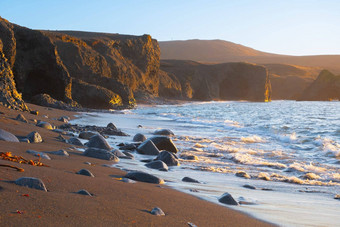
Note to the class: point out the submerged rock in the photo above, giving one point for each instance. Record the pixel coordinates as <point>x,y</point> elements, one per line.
<point>164,143</point>
<point>34,137</point>
<point>169,158</point>
<point>75,141</point>
<point>101,154</point>
<point>85,172</point>
<point>249,186</point>
<point>139,138</point>
<point>7,136</point>
<point>189,157</point>
<point>144,177</point>
<point>112,126</point>
<point>226,198</point>
<point>189,179</point>
<point>31,182</point>
<point>148,148</point>
<point>98,141</point>
<point>164,132</point>
<point>157,211</point>
<point>242,174</point>
<point>160,165</point>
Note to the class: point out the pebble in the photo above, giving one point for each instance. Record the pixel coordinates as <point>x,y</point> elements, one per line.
<point>249,186</point>
<point>31,182</point>
<point>45,125</point>
<point>189,179</point>
<point>85,172</point>
<point>157,211</point>
<point>148,148</point>
<point>98,141</point>
<point>75,141</point>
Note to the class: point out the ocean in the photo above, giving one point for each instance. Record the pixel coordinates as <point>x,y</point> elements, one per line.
<point>288,151</point>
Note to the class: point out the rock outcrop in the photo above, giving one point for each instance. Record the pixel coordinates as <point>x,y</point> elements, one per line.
<point>325,88</point>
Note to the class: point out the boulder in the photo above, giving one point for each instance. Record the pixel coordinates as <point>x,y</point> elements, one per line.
<point>39,154</point>
<point>45,125</point>
<point>7,136</point>
<point>189,179</point>
<point>34,137</point>
<point>87,135</point>
<point>139,138</point>
<point>148,148</point>
<point>60,152</point>
<point>144,177</point>
<point>98,141</point>
<point>31,182</point>
<point>63,119</point>
<point>22,118</point>
<point>164,132</point>
<point>75,141</point>
<point>168,158</point>
<point>129,146</point>
<point>84,192</point>
<point>158,164</point>
<point>85,172</point>
<point>157,211</point>
<point>100,154</point>
<point>111,126</point>
<point>226,198</point>
<point>164,143</point>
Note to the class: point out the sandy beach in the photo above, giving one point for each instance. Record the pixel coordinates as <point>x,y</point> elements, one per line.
<point>114,203</point>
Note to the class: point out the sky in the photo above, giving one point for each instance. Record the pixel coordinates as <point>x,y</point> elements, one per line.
<point>293,27</point>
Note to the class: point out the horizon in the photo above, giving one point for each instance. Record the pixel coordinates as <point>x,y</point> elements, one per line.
<point>296,28</point>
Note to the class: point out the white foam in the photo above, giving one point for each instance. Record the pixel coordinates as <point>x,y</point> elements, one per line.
<point>287,138</point>
<point>253,139</point>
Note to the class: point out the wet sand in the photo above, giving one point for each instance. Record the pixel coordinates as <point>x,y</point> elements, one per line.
<point>114,203</point>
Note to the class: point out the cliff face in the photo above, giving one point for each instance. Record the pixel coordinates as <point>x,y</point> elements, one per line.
<point>228,81</point>
<point>115,65</point>
<point>326,87</point>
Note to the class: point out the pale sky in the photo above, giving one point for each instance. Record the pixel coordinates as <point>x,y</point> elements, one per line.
<point>294,27</point>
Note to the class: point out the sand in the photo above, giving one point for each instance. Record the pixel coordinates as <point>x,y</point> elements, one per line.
<point>114,203</point>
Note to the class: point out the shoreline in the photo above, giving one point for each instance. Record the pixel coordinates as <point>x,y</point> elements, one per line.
<point>113,202</point>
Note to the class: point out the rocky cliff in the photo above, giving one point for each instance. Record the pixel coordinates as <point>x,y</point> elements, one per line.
<point>228,81</point>
<point>112,66</point>
<point>325,88</point>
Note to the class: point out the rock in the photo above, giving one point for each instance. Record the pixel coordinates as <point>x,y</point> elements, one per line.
<point>128,154</point>
<point>61,138</point>
<point>84,192</point>
<point>60,131</point>
<point>129,146</point>
<point>34,112</point>
<point>337,196</point>
<point>148,148</point>
<point>263,176</point>
<point>249,186</point>
<point>191,224</point>
<point>31,182</point>
<point>87,135</point>
<point>101,154</point>
<point>118,153</point>
<point>226,198</point>
<point>144,177</point>
<point>85,172</point>
<point>34,137</point>
<point>39,154</point>
<point>189,157</point>
<point>242,174</point>
<point>45,125</point>
<point>63,119</point>
<point>75,141</point>
<point>127,180</point>
<point>98,141</point>
<point>24,140</point>
<point>60,152</point>
<point>164,143</point>
<point>169,158</point>
<point>139,138</point>
<point>164,132</point>
<point>157,211</point>
<point>112,126</point>
<point>48,101</point>
<point>189,179</point>
<point>7,136</point>
<point>160,165</point>
<point>21,117</point>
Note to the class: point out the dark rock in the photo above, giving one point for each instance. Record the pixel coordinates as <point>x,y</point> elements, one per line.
<point>22,118</point>
<point>147,160</point>
<point>112,126</point>
<point>242,174</point>
<point>34,112</point>
<point>164,132</point>
<point>118,153</point>
<point>60,131</point>
<point>39,154</point>
<point>189,179</point>
<point>101,154</point>
<point>127,180</point>
<point>160,165</point>
<point>144,177</point>
<point>157,211</point>
<point>98,141</point>
<point>24,140</point>
<point>128,154</point>
<point>139,138</point>
<point>84,192</point>
<point>34,137</point>
<point>45,125</point>
<point>249,186</point>
<point>337,196</point>
<point>75,141</point>
<point>48,101</point>
<point>7,136</point>
<point>60,152</point>
<point>61,138</point>
<point>164,143</point>
<point>85,172</point>
<point>148,148</point>
<point>87,135</point>
<point>31,182</point>
<point>189,157</point>
<point>226,198</point>
<point>129,146</point>
<point>169,158</point>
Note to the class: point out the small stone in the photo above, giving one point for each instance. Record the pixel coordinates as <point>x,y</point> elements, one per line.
<point>88,163</point>
<point>158,164</point>
<point>226,198</point>
<point>84,192</point>
<point>21,117</point>
<point>164,132</point>
<point>39,154</point>
<point>60,152</point>
<point>45,125</point>
<point>157,211</point>
<point>242,174</point>
<point>249,186</point>
<point>7,136</point>
<point>85,172</point>
<point>189,179</point>
<point>139,138</point>
<point>34,112</point>
<point>144,177</point>
<point>31,182</point>
<point>34,137</point>
<point>75,141</point>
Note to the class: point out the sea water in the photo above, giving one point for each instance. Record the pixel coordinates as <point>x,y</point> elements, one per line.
<point>290,152</point>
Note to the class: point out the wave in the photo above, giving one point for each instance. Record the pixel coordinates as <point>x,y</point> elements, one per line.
<point>253,139</point>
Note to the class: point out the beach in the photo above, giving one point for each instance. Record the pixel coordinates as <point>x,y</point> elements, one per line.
<point>114,203</point>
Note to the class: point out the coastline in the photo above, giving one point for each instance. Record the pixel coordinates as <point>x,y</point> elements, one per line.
<point>114,202</point>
